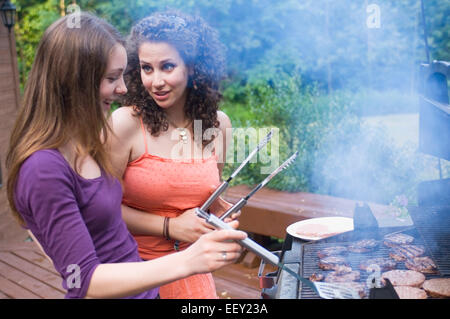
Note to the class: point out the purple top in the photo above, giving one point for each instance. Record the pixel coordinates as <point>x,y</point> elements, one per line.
<point>77,221</point>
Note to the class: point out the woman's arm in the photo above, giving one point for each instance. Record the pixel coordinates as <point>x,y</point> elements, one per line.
<point>205,255</point>
<point>142,223</point>
<point>125,128</point>
<point>187,227</point>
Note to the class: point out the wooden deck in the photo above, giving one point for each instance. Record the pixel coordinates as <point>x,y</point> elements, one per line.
<point>25,273</point>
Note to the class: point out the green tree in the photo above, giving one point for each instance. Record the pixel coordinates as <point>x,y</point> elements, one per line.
<point>34,17</point>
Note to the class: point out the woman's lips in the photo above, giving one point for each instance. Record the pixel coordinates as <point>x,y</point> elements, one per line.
<point>160,96</point>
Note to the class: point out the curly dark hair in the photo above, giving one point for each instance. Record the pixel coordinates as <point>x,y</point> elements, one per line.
<point>199,46</point>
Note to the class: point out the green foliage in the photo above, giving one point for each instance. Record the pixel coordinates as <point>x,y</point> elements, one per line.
<point>438,23</point>
<point>34,17</point>
<point>328,39</point>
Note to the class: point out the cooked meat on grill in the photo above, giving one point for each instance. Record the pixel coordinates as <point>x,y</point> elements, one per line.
<point>363,246</point>
<point>334,276</point>
<point>334,263</point>
<point>393,240</point>
<point>422,264</point>
<point>331,251</point>
<point>403,252</point>
<point>407,292</point>
<point>384,263</point>
<point>437,287</point>
<point>316,277</point>
<point>342,269</point>
<point>404,277</point>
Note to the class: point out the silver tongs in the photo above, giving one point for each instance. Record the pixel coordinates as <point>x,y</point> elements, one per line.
<point>222,187</point>
<point>243,201</point>
<point>220,224</point>
<point>247,242</point>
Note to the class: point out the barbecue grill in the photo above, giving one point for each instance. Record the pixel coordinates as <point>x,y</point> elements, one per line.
<point>431,219</point>
<point>431,229</point>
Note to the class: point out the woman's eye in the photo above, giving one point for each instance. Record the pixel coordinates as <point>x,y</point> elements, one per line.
<point>168,66</point>
<point>146,68</point>
<point>112,79</point>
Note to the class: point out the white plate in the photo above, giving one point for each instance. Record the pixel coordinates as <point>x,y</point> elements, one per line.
<point>319,228</point>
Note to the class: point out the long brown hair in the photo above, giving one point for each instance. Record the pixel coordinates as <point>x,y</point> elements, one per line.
<point>61,102</point>
<point>199,46</point>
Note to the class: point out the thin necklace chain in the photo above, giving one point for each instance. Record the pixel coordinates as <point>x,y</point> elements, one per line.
<point>173,124</point>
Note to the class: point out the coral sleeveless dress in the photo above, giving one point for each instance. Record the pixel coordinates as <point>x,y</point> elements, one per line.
<point>168,187</point>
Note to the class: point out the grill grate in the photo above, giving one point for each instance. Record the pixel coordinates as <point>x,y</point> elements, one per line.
<point>433,224</point>
<point>310,261</point>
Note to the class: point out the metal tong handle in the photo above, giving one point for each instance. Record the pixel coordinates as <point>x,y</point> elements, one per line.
<point>247,242</point>
<point>225,184</point>
<point>243,201</point>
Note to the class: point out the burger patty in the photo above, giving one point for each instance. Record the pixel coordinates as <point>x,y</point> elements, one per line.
<point>363,246</point>
<point>407,292</point>
<point>403,252</point>
<point>337,263</point>
<point>334,276</point>
<point>404,277</point>
<point>331,251</point>
<point>437,287</point>
<point>422,264</point>
<point>382,262</point>
<point>397,239</point>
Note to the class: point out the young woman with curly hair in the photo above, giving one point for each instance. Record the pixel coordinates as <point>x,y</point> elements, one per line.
<point>169,138</point>
<point>61,183</point>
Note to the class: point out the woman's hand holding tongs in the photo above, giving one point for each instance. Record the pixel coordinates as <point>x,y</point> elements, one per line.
<point>188,227</point>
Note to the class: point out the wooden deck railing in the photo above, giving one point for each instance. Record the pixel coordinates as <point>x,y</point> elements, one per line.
<point>269,211</point>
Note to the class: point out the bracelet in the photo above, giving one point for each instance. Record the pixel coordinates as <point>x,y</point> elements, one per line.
<point>166,228</point>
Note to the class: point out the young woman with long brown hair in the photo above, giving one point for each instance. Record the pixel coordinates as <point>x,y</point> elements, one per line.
<point>169,139</point>
<point>61,184</point>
